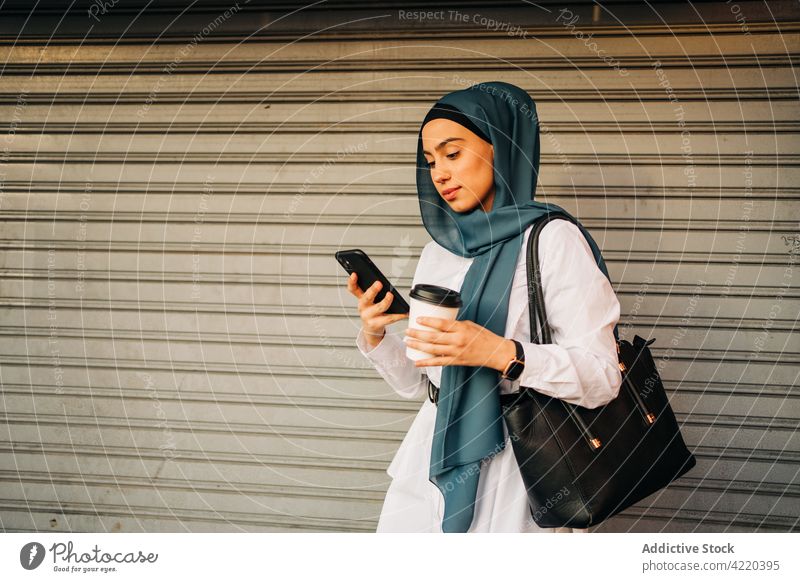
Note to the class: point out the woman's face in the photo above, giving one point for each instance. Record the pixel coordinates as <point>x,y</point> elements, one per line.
<point>459,159</point>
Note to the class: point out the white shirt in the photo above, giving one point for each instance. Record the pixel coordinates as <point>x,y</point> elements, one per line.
<point>580,367</point>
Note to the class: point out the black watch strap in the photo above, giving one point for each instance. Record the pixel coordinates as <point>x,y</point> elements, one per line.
<point>514,368</point>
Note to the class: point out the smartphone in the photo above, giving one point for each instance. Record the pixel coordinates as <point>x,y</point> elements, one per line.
<point>356,260</point>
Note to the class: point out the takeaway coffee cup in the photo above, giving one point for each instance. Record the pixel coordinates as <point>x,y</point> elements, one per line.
<point>430,301</point>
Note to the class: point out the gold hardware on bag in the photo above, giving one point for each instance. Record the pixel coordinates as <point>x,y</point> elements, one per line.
<point>622,366</point>
<point>651,418</point>
<point>595,442</point>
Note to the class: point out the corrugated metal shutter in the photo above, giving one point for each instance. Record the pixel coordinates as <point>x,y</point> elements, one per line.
<point>177,342</point>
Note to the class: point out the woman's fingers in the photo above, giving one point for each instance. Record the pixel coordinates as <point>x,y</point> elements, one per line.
<point>352,286</point>
<point>367,298</point>
<point>384,320</point>
<point>378,308</point>
<point>371,312</point>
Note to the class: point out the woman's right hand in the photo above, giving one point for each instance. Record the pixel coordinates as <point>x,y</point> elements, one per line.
<point>373,317</point>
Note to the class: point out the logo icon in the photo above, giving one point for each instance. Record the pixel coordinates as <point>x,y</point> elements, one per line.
<point>31,555</point>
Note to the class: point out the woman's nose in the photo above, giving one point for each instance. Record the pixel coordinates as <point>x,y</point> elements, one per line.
<point>440,176</point>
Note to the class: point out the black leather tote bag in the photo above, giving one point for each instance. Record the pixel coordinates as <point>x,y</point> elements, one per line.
<point>581,465</point>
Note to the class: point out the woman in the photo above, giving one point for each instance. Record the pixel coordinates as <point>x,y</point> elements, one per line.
<point>477,166</point>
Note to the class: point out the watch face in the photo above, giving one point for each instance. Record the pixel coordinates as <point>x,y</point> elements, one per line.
<point>514,370</point>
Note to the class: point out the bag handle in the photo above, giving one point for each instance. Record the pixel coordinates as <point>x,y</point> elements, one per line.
<point>540,331</point>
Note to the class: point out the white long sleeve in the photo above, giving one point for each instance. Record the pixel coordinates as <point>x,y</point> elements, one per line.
<point>389,359</point>
<point>581,365</point>
<point>389,356</point>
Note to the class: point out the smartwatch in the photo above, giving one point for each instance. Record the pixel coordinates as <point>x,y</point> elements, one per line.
<point>514,368</point>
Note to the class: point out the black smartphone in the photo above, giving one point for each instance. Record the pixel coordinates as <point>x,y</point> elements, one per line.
<point>367,273</point>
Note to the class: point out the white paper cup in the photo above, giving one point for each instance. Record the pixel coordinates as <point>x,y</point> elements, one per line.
<point>430,301</point>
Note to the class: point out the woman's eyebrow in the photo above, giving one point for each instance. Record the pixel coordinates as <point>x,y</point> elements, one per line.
<point>443,143</point>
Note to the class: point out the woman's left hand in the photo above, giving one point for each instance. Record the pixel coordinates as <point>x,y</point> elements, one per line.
<point>459,343</point>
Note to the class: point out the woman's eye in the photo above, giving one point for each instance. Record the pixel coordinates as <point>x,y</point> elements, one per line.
<point>451,156</point>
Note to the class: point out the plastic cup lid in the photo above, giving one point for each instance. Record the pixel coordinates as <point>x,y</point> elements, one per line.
<point>435,294</point>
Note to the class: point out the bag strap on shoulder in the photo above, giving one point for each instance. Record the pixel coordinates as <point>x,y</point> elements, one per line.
<point>540,330</point>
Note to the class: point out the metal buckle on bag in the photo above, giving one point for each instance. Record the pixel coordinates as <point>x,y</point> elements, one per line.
<point>433,393</point>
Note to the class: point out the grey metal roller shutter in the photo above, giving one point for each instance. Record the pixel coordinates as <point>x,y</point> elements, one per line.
<point>177,348</point>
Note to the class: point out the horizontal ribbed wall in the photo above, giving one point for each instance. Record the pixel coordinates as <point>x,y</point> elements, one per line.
<point>177,343</point>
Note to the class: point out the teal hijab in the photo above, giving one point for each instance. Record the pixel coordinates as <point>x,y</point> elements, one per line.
<point>469,427</point>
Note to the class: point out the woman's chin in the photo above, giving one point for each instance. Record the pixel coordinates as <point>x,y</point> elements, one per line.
<point>461,206</point>
<point>455,205</point>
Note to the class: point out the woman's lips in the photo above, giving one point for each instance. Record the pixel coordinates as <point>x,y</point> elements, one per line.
<point>452,194</point>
